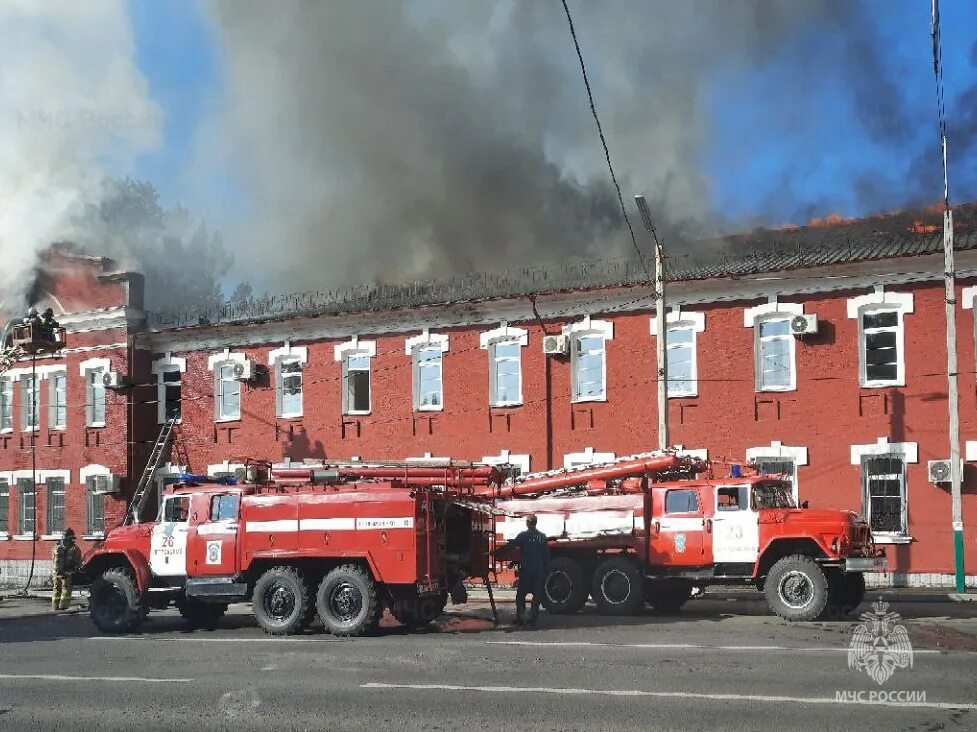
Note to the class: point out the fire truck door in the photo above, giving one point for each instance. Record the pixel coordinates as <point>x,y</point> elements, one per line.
<point>677,531</point>
<point>168,543</point>
<point>736,527</point>
<point>213,538</point>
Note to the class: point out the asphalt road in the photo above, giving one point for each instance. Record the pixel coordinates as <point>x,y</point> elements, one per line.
<point>708,669</point>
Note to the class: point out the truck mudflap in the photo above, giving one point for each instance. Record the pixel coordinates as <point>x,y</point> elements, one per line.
<point>865,564</point>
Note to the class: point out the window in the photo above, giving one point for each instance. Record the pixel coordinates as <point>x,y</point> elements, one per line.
<point>505,373</point>
<point>731,498</point>
<point>884,491</point>
<point>223,508</point>
<point>54,523</point>
<point>25,506</point>
<point>881,347</point>
<point>288,387</point>
<point>170,394</point>
<point>356,381</point>
<point>58,418</point>
<point>685,500</point>
<point>589,378</point>
<point>176,509</point>
<point>94,397</point>
<point>4,506</point>
<point>680,349</point>
<point>29,398</point>
<point>774,355</point>
<point>6,404</point>
<point>95,486</point>
<point>784,466</point>
<point>228,392</point>
<point>428,388</point>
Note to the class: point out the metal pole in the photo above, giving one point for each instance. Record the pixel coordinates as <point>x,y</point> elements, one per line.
<point>660,325</point>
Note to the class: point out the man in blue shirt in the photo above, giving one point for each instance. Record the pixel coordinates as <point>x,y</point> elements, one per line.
<point>534,555</point>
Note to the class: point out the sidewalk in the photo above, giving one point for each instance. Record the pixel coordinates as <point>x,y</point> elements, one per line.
<point>37,603</point>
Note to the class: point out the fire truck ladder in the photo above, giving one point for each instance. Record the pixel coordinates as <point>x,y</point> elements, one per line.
<point>149,473</point>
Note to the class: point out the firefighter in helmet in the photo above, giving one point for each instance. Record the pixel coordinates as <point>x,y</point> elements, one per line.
<point>65,560</point>
<point>48,324</point>
<point>534,555</point>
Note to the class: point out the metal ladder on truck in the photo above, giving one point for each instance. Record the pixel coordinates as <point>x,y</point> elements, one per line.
<point>149,473</point>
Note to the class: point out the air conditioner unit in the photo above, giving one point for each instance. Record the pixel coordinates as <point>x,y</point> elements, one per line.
<point>244,370</point>
<point>556,345</point>
<point>114,380</point>
<point>939,471</point>
<point>804,325</point>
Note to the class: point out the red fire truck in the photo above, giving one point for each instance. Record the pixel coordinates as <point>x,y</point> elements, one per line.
<point>346,541</point>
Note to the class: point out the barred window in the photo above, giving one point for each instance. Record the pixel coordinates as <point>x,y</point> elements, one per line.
<point>25,506</point>
<point>884,488</point>
<point>55,506</point>
<point>4,506</point>
<point>95,485</point>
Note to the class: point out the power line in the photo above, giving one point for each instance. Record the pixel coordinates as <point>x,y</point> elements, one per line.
<point>603,140</point>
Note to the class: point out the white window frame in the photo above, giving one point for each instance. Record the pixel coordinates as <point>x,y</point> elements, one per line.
<point>7,404</point>
<point>587,457</point>
<point>53,406</point>
<point>909,453</point>
<point>752,318</point>
<point>489,341</point>
<point>582,329</point>
<point>166,470</point>
<point>215,363</point>
<point>521,461</point>
<point>413,347</point>
<point>167,365</point>
<point>63,476</point>
<point>21,516</point>
<point>354,347</point>
<point>681,320</point>
<point>30,395</point>
<point>288,354</point>
<point>776,450</point>
<point>880,301</point>
<point>5,481</point>
<point>88,367</point>
<point>94,470</point>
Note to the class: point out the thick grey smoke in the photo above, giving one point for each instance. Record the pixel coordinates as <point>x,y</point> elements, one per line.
<point>73,105</point>
<point>390,139</point>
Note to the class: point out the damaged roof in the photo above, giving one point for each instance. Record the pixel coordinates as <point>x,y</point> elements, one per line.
<point>821,244</point>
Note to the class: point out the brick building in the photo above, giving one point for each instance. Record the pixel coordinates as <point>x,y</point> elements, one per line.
<point>854,411</point>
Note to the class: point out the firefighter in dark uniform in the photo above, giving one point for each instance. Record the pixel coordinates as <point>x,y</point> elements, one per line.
<point>48,325</point>
<point>66,560</point>
<point>534,555</point>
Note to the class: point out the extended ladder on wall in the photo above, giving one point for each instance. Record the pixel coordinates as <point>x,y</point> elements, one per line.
<point>149,473</point>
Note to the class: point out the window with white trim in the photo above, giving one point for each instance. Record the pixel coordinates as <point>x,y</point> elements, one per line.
<point>26,495</point>
<point>94,397</point>
<point>782,466</point>
<point>589,362</point>
<point>288,386</point>
<point>505,372</point>
<point>58,400</point>
<point>170,390</point>
<point>356,382</point>
<point>681,360</point>
<point>884,493</point>
<point>428,384</point>
<point>227,391</point>
<point>95,488</point>
<point>54,520</point>
<point>4,506</point>
<point>6,404</point>
<point>881,344</point>
<point>774,354</point>
<point>29,399</point>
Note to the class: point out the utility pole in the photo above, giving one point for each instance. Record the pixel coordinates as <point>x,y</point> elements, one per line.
<point>660,326</point>
<point>950,298</point>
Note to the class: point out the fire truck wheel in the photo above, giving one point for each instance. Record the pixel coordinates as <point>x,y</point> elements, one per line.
<point>282,601</point>
<point>797,588</point>
<point>668,595</point>
<point>618,587</point>
<point>115,603</point>
<point>565,587</point>
<point>201,614</point>
<point>348,601</point>
<point>417,612</point>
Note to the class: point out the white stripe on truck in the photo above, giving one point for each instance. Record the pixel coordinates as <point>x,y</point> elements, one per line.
<point>331,524</point>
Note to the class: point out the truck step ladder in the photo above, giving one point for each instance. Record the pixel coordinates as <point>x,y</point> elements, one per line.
<point>149,473</point>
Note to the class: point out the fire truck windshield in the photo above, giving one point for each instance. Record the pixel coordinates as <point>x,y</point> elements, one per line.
<point>771,495</point>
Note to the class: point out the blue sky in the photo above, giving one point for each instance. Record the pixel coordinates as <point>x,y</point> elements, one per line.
<point>758,146</point>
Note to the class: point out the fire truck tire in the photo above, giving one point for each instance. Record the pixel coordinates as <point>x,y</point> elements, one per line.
<point>419,611</point>
<point>668,595</point>
<point>201,614</point>
<point>115,603</point>
<point>797,588</point>
<point>565,588</point>
<point>618,587</point>
<point>282,601</point>
<point>348,601</point>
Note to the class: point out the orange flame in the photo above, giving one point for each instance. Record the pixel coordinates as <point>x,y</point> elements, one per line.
<point>832,219</point>
<point>918,227</point>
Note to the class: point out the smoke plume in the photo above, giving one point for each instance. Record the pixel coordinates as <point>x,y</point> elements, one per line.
<point>390,139</point>
<point>74,105</point>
